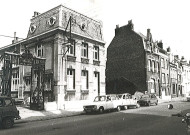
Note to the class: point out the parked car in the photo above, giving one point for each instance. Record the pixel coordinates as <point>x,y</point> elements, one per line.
<point>127,101</point>
<point>148,99</point>
<point>19,101</point>
<point>188,96</point>
<point>102,103</point>
<point>8,112</point>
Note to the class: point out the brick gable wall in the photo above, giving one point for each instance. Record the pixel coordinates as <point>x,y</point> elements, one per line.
<point>126,59</point>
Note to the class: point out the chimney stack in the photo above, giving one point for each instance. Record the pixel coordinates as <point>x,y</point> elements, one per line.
<point>148,34</point>
<point>131,25</point>
<point>117,29</point>
<point>168,49</point>
<point>35,14</point>
<point>160,44</point>
<point>15,38</point>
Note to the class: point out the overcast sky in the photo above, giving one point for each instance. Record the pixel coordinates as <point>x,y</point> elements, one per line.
<point>169,20</point>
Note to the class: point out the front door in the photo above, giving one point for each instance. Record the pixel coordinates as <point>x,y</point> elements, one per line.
<point>96,83</point>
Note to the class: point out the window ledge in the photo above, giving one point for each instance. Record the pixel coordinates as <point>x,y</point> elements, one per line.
<point>71,58</point>
<point>85,60</point>
<point>84,91</point>
<point>96,62</point>
<point>70,90</point>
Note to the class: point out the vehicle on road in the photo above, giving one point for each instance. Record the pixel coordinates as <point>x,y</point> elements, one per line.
<point>148,99</point>
<point>127,101</point>
<point>185,118</point>
<point>103,103</point>
<point>8,112</point>
<point>188,97</point>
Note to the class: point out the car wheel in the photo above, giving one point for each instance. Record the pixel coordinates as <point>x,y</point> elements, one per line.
<point>148,103</point>
<point>101,110</point>
<point>118,108</point>
<point>125,107</point>
<point>138,105</point>
<point>156,103</point>
<point>8,122</point>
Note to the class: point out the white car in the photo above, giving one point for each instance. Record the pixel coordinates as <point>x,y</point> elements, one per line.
<point>102,103</point>
<point>127,101</point>
<point>188,97</point>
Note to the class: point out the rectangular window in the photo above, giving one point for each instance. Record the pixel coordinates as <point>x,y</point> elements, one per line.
<point>149,65</point>
<point>70,96</point>
<point>153,66</point>
<point>71,47</point>
<point>70,79</point>
<point>84,50</point>
<point>84,79</point>
<point>158,67</point>
<point>168,79</point>
<point>162,63</point>
<point>163,78</point>
<point>15,80</point>
<point>173,88</point>
<point>96,53</point>
<point>167,66</point>
<point>39,50</point>
<point>84,96</point>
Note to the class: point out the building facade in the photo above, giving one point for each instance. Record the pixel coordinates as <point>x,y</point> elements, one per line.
<point>74,49</point>
<point>137,63</point>
<point>132,62</point>
<point>175,76</point>
<point>185,76</point>
<point>165,92</point>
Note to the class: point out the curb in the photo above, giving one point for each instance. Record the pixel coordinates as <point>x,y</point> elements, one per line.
<point>47,118</point>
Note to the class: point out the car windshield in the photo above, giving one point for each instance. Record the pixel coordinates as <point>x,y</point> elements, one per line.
<point>119,96</point>
<point>125,96</point>
<point>145,96</point>
<point>100,98</point>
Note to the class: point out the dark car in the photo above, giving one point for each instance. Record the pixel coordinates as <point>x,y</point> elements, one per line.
<point>8,112</point>
<point>148,99</point>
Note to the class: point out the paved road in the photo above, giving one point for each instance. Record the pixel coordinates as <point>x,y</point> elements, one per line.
<point>154,120</point>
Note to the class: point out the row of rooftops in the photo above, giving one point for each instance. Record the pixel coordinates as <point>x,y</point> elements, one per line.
<point>130,26</point>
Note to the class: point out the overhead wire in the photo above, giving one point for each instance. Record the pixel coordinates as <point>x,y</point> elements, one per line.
<point>10,36</point>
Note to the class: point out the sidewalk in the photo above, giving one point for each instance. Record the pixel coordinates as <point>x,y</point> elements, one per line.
<point>28,115</point>
<point>172,100</point>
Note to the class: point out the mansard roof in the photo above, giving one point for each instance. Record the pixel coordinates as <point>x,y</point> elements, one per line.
<point>58,17</point>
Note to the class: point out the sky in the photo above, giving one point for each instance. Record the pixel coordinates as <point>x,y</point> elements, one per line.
<point>168,20</point>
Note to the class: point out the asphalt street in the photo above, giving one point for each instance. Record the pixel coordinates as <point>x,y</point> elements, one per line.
<point>154,120</point>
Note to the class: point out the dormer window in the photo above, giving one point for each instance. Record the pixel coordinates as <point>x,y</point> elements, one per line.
<point>32,28</point>
<point>51,21</point>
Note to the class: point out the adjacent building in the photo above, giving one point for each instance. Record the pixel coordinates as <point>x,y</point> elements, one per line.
<point>133,62</point>
<point>165,91</point>
<point>136,62</point>
<point>185,76</point>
